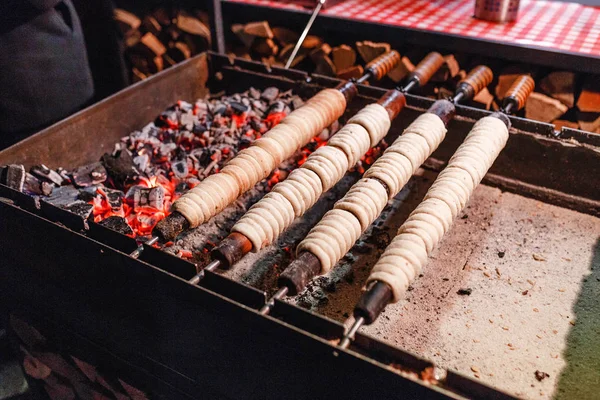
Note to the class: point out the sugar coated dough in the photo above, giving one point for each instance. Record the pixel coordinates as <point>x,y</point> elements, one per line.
<point>337,232</point>
<point>291,198</point>
<point>256,162</point>
<point>405,256</point>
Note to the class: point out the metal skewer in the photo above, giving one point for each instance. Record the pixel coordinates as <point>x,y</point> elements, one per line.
<point>136,253</point>
<point>175,223</point>
<point>349,337</point>
<point>296,276</point>
<point>378,295</point>
<point>304,33</point>
<point>210,267</point>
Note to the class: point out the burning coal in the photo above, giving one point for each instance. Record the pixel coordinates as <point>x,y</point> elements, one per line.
<point>133,188</point>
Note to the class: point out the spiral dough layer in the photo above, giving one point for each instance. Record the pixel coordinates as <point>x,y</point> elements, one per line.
<point>337,232</point>
<point>256,162</point>
<point>405,256</point>
<point>289,199</point>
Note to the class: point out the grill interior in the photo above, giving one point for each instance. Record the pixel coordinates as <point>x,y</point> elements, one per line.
<point>162,321</point>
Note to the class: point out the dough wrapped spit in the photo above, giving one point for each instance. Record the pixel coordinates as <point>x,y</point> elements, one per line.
<point>405,256</point>
<point>256,162</point>
<point>291,198</point>
<point>339,229</point>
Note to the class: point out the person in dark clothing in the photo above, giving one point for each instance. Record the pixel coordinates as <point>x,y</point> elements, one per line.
<point>44,71</point>
<point>104,46</point>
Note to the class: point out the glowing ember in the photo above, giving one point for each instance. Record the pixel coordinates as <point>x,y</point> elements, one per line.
<point>151,168</point>
<point>184,145</point>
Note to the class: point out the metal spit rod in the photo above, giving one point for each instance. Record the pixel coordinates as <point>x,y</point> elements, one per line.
<point>304,33</point>
<point>514,100</point>
<point>136,253</point>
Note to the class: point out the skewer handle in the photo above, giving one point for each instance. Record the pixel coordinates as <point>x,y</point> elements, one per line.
<point>517,94</point>
<point>426,68</point>
<point>477,79</point>
<point>380,66</point>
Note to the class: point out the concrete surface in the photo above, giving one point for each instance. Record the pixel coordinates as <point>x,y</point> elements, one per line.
<point>533,271</point>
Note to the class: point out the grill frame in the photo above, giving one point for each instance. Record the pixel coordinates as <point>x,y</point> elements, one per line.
<point>123,309</point>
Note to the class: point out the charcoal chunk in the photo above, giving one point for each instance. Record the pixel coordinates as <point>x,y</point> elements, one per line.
<point>166,119</point>
<point>88,175</point>
<point>118,224</point>
<point>146,197</point>
<point>182,187</point>
<point>254,93</point>
<point>80,208</point>
<point>238,108</point>
<point>270,94</point>
<point>13,176</point>
<point>276,107</point>
<point>114,198</point>
<point>45,173</point>
<point>297,102</point>
<point>89,193</point>
<point>34,186</point>
<point>120,167</point>
<point>199,129</point>
<point>63,196</point>
<point>180,168</point>
<point>142,162</point>
<point>220,109</point>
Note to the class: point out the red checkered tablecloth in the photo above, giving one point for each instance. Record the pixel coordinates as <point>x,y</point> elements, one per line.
<point>567,27</point>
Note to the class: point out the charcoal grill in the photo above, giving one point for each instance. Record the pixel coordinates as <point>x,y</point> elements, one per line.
<point>75,280</point>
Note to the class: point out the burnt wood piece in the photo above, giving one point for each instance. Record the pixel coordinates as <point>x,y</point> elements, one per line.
<point>231,250</point>
<point>146,197</point>
<point>63,196</point>
<point>168,228</point>
<point>35,186</point>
